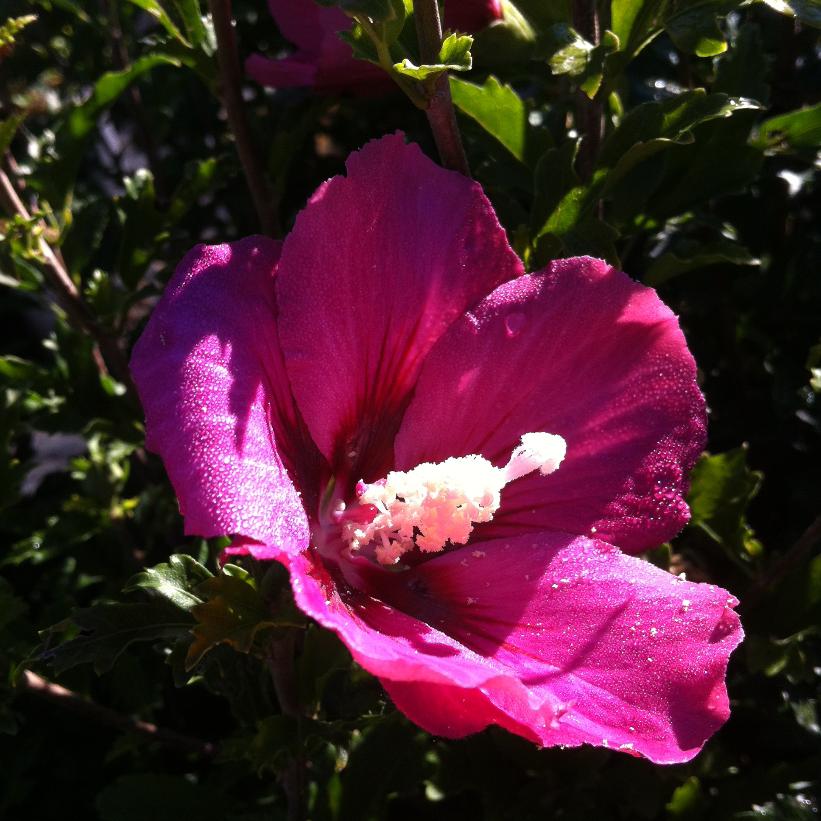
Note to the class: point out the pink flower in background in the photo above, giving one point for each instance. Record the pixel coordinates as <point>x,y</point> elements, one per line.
<point>325,62</point>
<point>443,451</point>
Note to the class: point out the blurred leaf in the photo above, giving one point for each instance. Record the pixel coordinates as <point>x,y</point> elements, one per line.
<point>794,130</point>
<point>744,70</point>
<point>82,120</point>
<point>807,11</point>
<point>107,630</point>
<point>688,800</point>
<point>140,796</point>
<point>8,128</point>
<point>722,487</point>
<point>195,28</point>
<point>814,367</point>
<point>503,114</point>
<point>12,27</point>
<point>233,613</point>
<point>323,653</point>
<point>174,581</point>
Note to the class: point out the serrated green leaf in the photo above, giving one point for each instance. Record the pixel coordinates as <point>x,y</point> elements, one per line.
<point>107,630</point>
<point>453,56</point>
<point>566,50</point>
<point>503,114</point>
<point>175,581</point>
<point>233,613</point>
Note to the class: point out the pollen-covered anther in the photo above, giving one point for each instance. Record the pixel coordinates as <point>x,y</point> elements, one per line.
<point>439,503</point>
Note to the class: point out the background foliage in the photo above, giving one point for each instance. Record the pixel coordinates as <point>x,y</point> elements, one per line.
<point>704,184</point>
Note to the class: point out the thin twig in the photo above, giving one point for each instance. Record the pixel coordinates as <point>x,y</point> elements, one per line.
<point>589,113</point>
<point>783,566</point>
<point>231,91</point>
<point>440,112</point>
<point>109,358</point>
<point>37,685</point>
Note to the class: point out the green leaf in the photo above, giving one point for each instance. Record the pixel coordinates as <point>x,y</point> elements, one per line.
<point>233,614</point>
<point>12,27</point>
<point>795,130</point>
<point>568,52</point>
<point>807,11</point>
<point>636,23</point>
<point>155,10</point>
<point>693,27</point>
<point>722,487</point>
<point>174,581</point>
<point>694,256</point>
<point>195,28</point>
<point>502,113</point>
<point>107,630</point>
<point>453,56</point>
<point>687,801</point>
<point>563,219</point>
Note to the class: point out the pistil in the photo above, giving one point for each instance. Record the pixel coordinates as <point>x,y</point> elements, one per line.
<point>437,504</point>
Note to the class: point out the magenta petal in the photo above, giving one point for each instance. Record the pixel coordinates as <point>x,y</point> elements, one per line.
<point>583,351</point>
<point>627,655</point>
<point>561,639</point>
<point>377,266</point>
<point>209,374</point>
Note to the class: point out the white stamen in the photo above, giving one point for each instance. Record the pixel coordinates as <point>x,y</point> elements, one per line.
<point>438,503</point>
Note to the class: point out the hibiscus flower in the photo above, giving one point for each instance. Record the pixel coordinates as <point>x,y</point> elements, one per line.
<point>446,453</point>
<point>325,62</point>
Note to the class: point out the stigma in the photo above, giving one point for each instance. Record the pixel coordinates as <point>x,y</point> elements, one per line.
<point>436,504</point>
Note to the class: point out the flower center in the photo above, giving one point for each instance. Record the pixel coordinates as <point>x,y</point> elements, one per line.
<point>437,503</point>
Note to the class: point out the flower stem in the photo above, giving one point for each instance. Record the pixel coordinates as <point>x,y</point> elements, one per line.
<point>440,112</point>
<point>589,113</point>
<point>281,666</point>
<point>231,92</point>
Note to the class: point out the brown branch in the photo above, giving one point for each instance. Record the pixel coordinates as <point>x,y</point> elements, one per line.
<point>589,113</point>
<point>38,686</point>
<point>231,91</point>
<point>108,356</point>
<point>440,112</point>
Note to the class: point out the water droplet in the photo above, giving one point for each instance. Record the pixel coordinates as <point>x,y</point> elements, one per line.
<point>514,323</point>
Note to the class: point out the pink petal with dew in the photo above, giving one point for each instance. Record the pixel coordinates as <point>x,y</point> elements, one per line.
<point>583,351</point>
<point>210,376</point>
<point>378,265</point>
<point>561,639</point>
